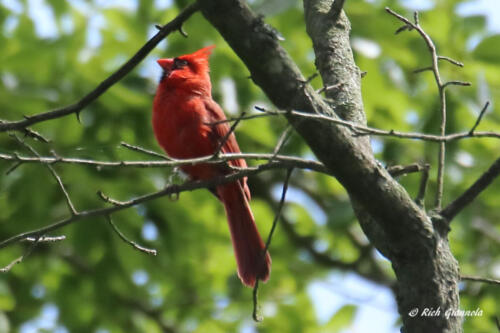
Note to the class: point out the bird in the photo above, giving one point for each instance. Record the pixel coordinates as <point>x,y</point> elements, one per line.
<point>188,123</point>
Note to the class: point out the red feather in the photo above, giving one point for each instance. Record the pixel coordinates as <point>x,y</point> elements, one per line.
<point>184,114</point>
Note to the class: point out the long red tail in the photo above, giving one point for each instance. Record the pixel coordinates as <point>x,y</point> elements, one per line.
<point>247,244</point>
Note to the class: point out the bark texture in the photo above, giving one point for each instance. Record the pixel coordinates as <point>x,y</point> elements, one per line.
<point>426,271</point>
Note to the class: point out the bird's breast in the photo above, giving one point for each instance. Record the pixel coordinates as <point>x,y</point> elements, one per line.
<point>181,126</point>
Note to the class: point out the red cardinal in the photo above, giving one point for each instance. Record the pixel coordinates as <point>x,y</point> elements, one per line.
<point>184,114</point>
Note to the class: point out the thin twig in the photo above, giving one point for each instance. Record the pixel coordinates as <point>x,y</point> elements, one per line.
<point>224,139</point>
<point>71,207</point>
<point>479,279</point>
<point>419,200</point>
<point>457,83</point>
<point>13,167</point>
<point>126,240</point>
<point>400,170</point>
<point>255,314</point>
<point>35,135</point>
<point>46,239</point>
<point>183,32</point>
<point>107,199</point>
<point>472,192</point>
<point>172,26</point>
<point>424,69</point>
<point>310,78</point>
<point>452,61</point>
<point>478,120</point>
<point>282,140</point>
<point>21,258</point>
<point>328,88</point>
<point>145,151</point>
<point>280,208</point>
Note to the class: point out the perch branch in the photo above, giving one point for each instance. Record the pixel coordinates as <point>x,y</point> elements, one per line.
<point>172,189</point>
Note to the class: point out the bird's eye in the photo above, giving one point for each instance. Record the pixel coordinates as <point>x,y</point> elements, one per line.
<point>179,63</point>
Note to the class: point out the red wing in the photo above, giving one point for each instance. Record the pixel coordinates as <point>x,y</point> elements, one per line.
<point>219,132</point>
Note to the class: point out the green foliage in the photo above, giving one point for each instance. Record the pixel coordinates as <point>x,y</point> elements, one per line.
<point>96,283</point>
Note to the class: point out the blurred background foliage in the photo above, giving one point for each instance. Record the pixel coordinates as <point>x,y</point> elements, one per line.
<point>325,275</point>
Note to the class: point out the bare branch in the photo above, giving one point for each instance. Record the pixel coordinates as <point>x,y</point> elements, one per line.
<point>12,264</point>
<point>224,139</point>
<point>13,167</point>
<point>256,317</point>
<point>478,120</point>
<point>21,258</point>
<point>107,199</point>
<point>295,162</point>
<point>424,69</point>
<point>172,189</point>
<point>172,26</point>
<point>360,130</point>
<point>452,61</point>
<point>479,279</point>
<point>400,170</point>
<point>126,240</point>
<point>145,151</point>
<point>310,78</point>
<point>265,113</point>
<point>71,207</point>
<point>423,186</point>
<point>442,96</point>
<point>282,140</point>
<point>328,88</point>
<point>182,32</point>
<point>34,134</point>
<point>280,208</point>
<point>472,192</point>
<point>457,83</point>
<point>46,239</point>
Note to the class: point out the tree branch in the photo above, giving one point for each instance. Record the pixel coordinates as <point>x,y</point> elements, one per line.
<point>255,314</point>
<point>362,130</point>
<point>168,28</point>
<point>71,207</point>
<point>128,241</point>
<point>442,94</point>
<point>478,120</point>
<point>479,279</point>
<point>20,259</point>
<point>291,161</point>
<point>472,192</point>
<point>169,190</point>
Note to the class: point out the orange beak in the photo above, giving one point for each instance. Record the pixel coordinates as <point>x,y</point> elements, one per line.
<point>166,63</point>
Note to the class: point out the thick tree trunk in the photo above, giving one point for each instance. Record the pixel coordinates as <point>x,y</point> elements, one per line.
<point>426,271</point>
